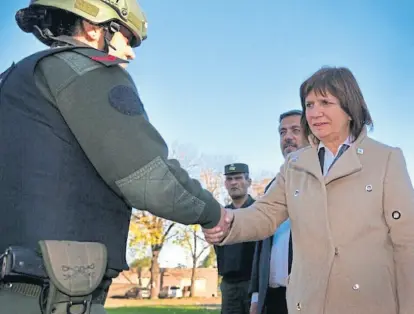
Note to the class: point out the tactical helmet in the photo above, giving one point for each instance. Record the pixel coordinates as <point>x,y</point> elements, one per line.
<point>125,12</point>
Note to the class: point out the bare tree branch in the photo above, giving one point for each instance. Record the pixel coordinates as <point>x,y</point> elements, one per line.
<point>202,251</point>
<point>200,238</point>
<point>123,274</point>
<point>168,231</point>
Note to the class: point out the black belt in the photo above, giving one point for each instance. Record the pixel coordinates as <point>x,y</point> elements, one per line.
<point>22,272</point>
<point>235,279</point>
<point>27,289</point>
<point>276,291</point>
<point>34,290</point>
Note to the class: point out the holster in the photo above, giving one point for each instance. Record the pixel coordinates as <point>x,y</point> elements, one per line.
<point>75,270</point>
<point>20,264</point>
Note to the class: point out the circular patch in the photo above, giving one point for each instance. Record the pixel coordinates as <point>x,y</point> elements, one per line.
<point>126,100</point>
<point>396,214</point>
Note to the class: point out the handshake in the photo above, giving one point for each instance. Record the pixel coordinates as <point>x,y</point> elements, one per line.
<point>218,233</point>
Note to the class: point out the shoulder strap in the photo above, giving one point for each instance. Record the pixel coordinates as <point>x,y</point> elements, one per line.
<point>92,53</point>
<point>99,56</point>
<point>4,75</point>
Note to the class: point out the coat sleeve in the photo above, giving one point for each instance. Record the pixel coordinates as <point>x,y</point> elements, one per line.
<point>398,204</point>
<point>254,279</point>
<point>260,220</point>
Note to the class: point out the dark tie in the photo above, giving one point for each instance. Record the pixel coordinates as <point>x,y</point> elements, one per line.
<point>290,256</point>
<point>321,156</point>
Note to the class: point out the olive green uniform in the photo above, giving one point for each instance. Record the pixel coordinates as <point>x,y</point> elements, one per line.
<point>101,105</point>
<point>99,102</point>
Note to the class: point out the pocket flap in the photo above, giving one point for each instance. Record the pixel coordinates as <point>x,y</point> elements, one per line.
<point>75,268</point>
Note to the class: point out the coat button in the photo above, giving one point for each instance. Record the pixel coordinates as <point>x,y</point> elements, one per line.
<point>368,188</point>
<point>356,287</point>
<point>296,193</point>
<point>298,306</point>
<point>336,251</point>
<point>396,215</point>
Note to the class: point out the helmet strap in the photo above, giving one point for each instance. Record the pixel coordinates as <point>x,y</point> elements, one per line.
<point>44,33</point>
<point>110,30</point>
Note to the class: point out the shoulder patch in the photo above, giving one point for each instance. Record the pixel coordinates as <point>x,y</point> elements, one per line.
<point>126,100</point>
<point>100,56</point>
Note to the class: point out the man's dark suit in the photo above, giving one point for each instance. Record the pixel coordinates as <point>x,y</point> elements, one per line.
<point>261,269</point>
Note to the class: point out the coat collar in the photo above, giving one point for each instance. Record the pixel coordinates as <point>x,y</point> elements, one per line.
<point>347,164</point>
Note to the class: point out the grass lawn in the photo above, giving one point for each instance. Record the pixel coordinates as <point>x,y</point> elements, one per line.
<point>161,310</point>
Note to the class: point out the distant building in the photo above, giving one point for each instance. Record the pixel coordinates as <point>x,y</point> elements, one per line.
<point>206,282</point>
<point>258,187</point>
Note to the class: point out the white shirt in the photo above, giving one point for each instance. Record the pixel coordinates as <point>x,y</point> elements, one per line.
<point>279,259</point>
<point>329,156</point>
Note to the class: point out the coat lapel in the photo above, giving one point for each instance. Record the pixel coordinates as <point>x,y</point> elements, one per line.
<point>308,161</point>
<point>347,164</point>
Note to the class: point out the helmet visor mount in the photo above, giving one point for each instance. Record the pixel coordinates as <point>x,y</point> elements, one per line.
<point>125,13</point>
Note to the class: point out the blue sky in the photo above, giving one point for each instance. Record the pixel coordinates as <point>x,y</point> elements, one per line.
<point>216,74</point>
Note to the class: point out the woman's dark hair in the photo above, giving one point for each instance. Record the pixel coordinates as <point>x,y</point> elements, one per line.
<point>341,83</point>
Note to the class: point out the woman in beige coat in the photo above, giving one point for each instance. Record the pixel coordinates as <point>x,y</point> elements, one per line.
<point>352,218</point>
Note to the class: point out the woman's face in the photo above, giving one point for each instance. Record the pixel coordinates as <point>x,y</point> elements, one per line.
<point>326,119</point>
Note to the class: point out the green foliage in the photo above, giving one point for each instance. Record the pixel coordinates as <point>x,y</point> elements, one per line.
<point>144,262</point>
<point>149,230</point>
<point>210,260</point>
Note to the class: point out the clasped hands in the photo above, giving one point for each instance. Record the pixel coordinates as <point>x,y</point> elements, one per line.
<point>218,233</point>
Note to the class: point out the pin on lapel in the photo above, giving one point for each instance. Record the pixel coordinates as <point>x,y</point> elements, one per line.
<point>360,151</point>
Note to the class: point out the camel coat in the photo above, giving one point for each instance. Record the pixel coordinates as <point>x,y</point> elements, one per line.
<point>353,230</point>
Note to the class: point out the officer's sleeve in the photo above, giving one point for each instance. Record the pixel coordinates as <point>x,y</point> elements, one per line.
<point>398,204</point>
<point>102,108</point>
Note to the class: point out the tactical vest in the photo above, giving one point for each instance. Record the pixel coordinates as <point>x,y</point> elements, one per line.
<point>48,187</point>
<point>234,262</point>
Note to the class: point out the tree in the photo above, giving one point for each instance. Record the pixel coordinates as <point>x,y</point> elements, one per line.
<point>192,239</point>
<point>213,181</point>
<point>147,230</point>
<point>154,232</point>
<point>140,264</point>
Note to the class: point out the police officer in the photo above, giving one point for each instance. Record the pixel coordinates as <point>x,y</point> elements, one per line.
<point>77,153</point>
<point>235,261</point>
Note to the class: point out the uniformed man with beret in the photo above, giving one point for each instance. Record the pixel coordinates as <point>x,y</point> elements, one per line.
<point>234,262</point>
<point>78,152</point>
